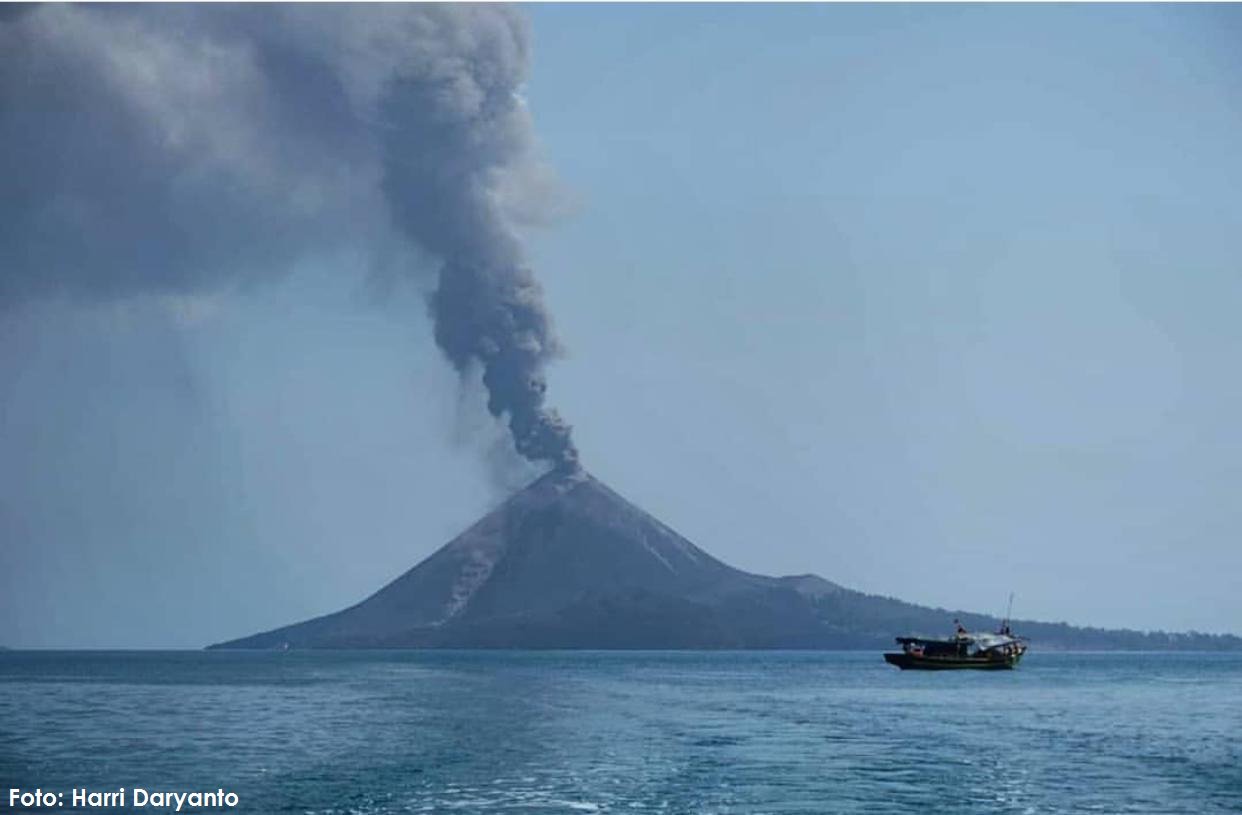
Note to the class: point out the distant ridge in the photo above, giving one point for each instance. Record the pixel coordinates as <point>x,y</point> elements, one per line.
<point>568,563</point>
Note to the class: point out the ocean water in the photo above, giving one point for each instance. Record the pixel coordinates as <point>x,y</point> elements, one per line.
<point>571,732</point>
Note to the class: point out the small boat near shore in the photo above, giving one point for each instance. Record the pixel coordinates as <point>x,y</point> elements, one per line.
<point>964,650</point>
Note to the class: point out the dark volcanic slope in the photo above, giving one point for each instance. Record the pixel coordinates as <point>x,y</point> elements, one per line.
<point>568,563</point>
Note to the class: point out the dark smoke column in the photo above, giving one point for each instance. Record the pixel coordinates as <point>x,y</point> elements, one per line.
<point>192,149</point>
<point>454,125</point>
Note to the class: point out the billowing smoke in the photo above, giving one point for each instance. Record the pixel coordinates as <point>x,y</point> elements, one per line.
<point>157,150</point>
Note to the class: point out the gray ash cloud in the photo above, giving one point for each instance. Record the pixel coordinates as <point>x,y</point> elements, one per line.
<point>192,149</point>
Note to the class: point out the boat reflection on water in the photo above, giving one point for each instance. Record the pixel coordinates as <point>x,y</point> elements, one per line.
<point>982,651</point>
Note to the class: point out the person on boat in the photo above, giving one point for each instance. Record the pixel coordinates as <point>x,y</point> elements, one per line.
<point>961,630</point>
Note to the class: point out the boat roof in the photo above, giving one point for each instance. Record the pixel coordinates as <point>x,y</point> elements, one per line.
<point>983,639</point>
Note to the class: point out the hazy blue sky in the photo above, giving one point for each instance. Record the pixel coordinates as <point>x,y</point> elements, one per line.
<point>937,302</point>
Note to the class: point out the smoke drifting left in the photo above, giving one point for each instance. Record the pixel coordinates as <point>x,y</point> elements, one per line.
<point>189,149</point>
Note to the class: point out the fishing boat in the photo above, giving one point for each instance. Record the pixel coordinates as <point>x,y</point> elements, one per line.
<point>964,650</point>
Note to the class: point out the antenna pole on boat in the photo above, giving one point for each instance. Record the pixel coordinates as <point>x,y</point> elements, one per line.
<point>1009,609</point>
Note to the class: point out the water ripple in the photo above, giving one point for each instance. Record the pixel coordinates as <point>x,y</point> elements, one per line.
<point>380,733</point>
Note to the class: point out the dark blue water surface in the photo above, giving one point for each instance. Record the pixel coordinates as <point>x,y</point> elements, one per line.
<point>498,732</point>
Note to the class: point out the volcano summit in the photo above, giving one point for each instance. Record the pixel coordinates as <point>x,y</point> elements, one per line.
<point>568,563</point>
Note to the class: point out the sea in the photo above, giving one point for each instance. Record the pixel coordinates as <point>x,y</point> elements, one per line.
<point>364,733</point>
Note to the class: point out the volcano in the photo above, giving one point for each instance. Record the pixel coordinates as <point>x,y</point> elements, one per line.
<point>568,563</point>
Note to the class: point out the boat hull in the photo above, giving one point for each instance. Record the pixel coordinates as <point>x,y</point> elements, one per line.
<point>913,662</point>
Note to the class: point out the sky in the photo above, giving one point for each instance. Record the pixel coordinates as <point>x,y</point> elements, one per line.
<point>937,302</point>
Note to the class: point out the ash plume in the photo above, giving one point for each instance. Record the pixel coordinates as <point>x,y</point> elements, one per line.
<point>186,150</point>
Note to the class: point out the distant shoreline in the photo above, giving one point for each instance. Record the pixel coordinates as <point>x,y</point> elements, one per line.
<point>257,651</point>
